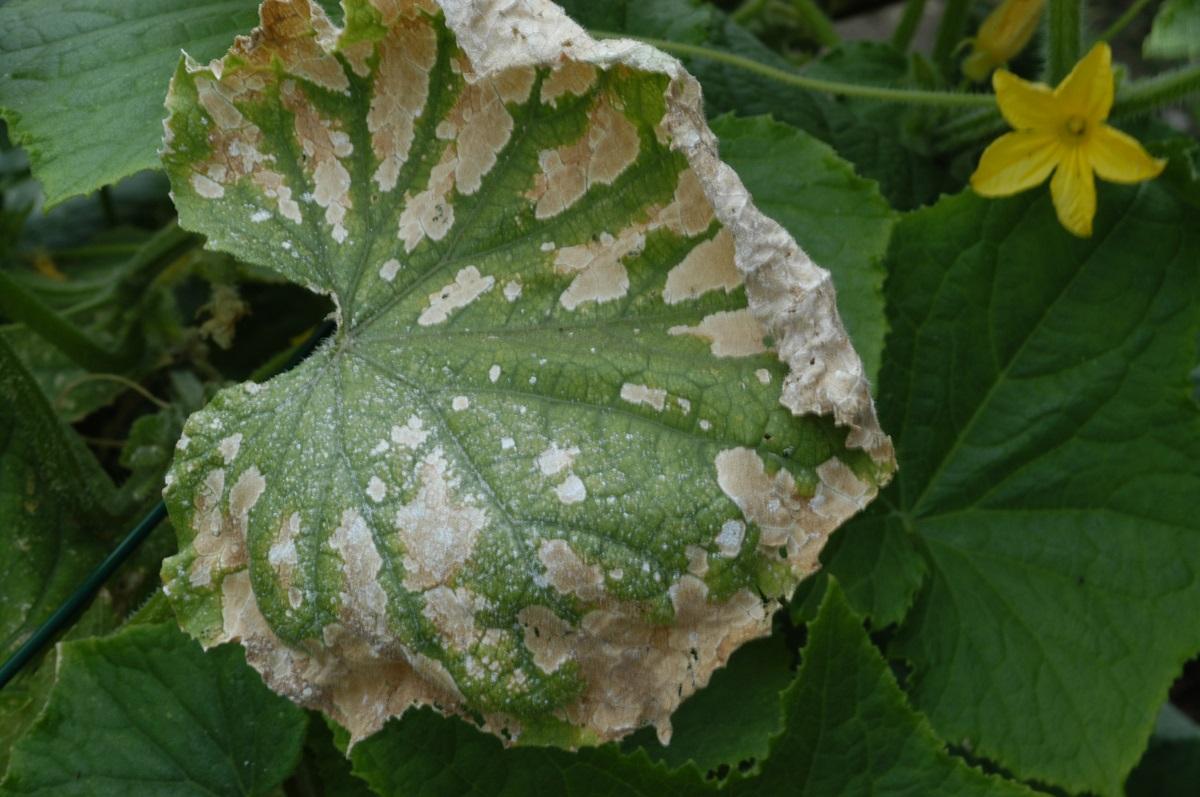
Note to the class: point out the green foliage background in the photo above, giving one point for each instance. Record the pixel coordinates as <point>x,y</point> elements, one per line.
<point>1006,618</point>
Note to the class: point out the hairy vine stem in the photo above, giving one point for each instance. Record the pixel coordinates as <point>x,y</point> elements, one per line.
<point>1064,38</point>
<point>1123,21</point>
<point>945,99</point>
<point>907,27</point>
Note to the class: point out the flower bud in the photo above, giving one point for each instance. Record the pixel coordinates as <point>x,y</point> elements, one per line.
<point>1002,36</point>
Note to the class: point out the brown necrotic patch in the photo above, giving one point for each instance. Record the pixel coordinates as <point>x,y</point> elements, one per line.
<point>438,527</point>
<point>477,128</point>
<point>399,94</point>
<point>324,144</point>
<point>730,333</point>
<point>236,143</point>
<point>608,147</point>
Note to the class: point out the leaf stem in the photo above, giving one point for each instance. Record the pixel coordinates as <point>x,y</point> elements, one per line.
<point>817,21</point>
<point>1123,21</point>
<point>950,32</point>
<point>747,11</point>
<point>24,307</point>
<point>944,99</point>
<point>125,381</point>
<point>1064,38</point>
<point>906,28</point>
<point>1147,94</point>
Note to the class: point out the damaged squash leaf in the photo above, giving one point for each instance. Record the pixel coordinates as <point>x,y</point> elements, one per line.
<point>587,417</point>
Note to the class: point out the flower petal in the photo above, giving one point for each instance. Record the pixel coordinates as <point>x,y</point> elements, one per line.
<point>1025,105</point>
<point>1074,192</point>
<point>1119,158</point>
<point>1088,90</point>
<point>1015,162</point>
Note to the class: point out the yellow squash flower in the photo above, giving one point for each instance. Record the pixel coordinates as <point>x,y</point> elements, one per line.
<point>1062,130</point>
<point>1002,36</point>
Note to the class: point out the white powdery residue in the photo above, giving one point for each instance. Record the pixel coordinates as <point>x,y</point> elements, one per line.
<point>763,375</point>
<point>533,380</point>
<point>253,388</point>
<point>380,448</point>
<point>460,403</point>
<point>207,188</point>
<point>411,434</point>
<point>283,552</point>
<point>507,442</point>
<point>571,491</point>
<point>547,246</point>
<point>493,373</point>
<point>641,394</point>
<point>438,527</point>
<point>376,489</point>
<point>389,270</point>
<point>183,442</point>
<point>684,405</point>
<point>230,446</point>
<point>512,290</point>
<point>705,425</point>
<point>555,460</point>
<point>729,540</point>
<point>616,575</point>
<point>259,216</point>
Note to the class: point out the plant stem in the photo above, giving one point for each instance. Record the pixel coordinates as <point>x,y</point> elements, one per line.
<point>1123,21</point>
<point>902,37</point>
<point>121,380</point>
<point>1147,94</point>
<point>24,307</point>
<point>817,22</point>
<point>944,99</point>
<point>950,32</point>
<point>1064,38</point>
<point>747,11</point>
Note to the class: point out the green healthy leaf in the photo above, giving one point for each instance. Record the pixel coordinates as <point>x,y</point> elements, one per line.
<point>50,488</point>
<point>839,218</point>
<point>850,730</point>
<point>82,81</point>
<point>1049,440</point>
<point>431,756</point>
<point>550,463</point>
<point>732,720</point>
<point>1176,31</point>
<point>146,712</point>
<point>23,698</point>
